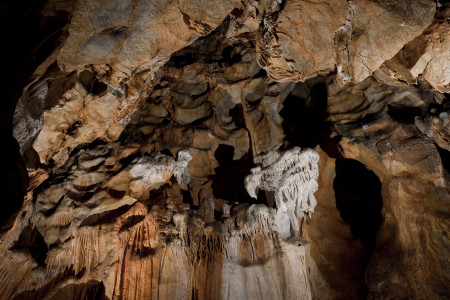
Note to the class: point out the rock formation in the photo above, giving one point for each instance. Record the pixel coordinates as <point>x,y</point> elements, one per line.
<point>272,149</point>
<point>292,177</point>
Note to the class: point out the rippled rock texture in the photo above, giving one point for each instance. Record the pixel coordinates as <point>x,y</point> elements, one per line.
<point>272,149</point>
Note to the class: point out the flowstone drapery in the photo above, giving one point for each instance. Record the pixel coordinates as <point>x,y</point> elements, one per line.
<point>292,176</point>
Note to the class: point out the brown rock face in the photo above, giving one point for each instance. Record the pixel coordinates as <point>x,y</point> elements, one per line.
<point>427,55</point>
<point>298,40</point>
<point>231,150</point>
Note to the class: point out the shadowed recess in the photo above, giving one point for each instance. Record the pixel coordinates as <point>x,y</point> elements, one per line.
<point>404,114</point>
<point>228,182</point>
<point>305,117</point>
<point>358,199</point>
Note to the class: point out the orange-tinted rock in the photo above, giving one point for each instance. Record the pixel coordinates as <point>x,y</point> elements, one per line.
<point>143,126</point>
<point>119,182</point>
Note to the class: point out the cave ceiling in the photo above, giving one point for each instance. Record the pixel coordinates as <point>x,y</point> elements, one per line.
<point>258,149</point>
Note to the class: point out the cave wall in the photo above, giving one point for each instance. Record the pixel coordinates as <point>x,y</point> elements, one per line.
<point>226,150</point>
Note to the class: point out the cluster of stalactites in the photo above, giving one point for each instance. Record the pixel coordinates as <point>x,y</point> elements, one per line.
<point>292,176</point>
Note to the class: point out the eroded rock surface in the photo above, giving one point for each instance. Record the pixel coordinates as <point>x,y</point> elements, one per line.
<point>234,150</point>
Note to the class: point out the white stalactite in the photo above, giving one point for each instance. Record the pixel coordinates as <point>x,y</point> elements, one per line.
<point>158,167</point>
<point>292,176</point>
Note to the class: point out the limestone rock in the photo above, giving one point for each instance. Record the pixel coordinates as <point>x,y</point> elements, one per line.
<point>426,55</point>
<point>119,182</point>
<point>437,128</point>
<point>188,116</point>
<point>293,178</point>
<point>375,23</point>
<point>297,40</point>
<point>412,175</point>
<point>349,36</point>
<point>88,181</point>
<point>162,143</point>
<point>105,210</point>
<point>128,37</point>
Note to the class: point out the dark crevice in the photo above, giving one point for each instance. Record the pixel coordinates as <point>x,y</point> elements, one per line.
<point>446,98</point>
<point>187,198</point>
<point>158,196</point>
<point>369,118</point>
<point>237,12</point>
<point>404,114</point>
<point>29,36</point>
<point>228,181</point>
<point>107,217</point>
<point>131,221</point>
<point>116,194</point>
<point>166,152</point>
<point>331,147</point>
<point>261,73</point>
<point>57,86</point>
<point>304,119</point>
<point>32,240</point>
<point>237,114</point>
<point>86,78</point>
<point>15,179</point>
<point>52,210</point>
<point>73,128</point>
<point>445,158</point>
<point>182,59</point>
<point>200,50</point>
<point>261,197</point>
<point>229,57</point>
<point>358,199</point>
<point>99,88</point>
<point>267,198</point>
<point>127,160</point>
<point>433,108</point>
<point>198,122</point>
<point>218,214</point>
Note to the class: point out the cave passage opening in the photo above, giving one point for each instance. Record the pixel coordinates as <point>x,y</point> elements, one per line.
<point>305,115</point>
<point>228,181</point>
<point>359,201</point>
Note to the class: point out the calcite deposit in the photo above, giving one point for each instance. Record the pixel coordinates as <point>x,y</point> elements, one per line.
<point>256,149</point>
